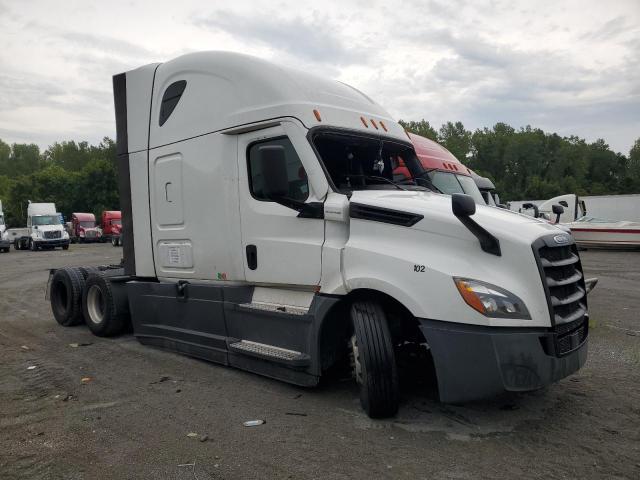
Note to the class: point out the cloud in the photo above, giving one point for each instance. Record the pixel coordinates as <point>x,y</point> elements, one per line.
<point>572,68</point>
<point>308,39</point>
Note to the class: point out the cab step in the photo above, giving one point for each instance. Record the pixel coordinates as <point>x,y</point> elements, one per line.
<point>270,352</point>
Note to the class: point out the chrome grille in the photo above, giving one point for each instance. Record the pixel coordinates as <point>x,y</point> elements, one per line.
<point>563,281</point>
<point>53,234</point>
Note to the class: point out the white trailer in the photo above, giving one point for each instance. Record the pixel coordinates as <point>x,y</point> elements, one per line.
<point>263,229</point>
<point>44,229</point>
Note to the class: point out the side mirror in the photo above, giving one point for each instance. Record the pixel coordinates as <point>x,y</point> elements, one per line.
<point>35,227</point>
<point>536,211</point>
<point>557,210</point>
<point>273,163</point>
<point>463,205</point>
<point>563,203</point>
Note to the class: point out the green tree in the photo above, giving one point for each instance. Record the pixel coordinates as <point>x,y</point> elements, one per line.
<point>456,139</point>
<point>422,128</point>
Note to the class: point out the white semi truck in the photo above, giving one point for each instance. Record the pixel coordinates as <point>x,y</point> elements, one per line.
<point>44,229</point>
<point>263,229</point>
<point>4,242</point>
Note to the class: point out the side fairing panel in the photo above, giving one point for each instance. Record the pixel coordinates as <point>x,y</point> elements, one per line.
<point>139,90</point>
<point>140,215</point>
<point>194,209</point>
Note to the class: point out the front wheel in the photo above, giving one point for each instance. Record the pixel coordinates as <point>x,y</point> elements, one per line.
<point>65,247</point>
<point>33,246</point>
<point>373,360</point>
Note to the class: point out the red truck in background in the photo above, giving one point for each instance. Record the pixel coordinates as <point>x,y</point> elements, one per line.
<point>84,228</point>
<point>112,226</point>
<point>445,171</point>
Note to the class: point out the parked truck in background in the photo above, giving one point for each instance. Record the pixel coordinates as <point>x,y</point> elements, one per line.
<point>4,243</point>
<point>446,173</point>
<point>111,226</point>
<point>264,228</point>
<point>44,229</point>
<point>84,228</point>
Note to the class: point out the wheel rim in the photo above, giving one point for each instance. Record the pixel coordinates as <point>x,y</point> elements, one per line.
<point>95,304</point>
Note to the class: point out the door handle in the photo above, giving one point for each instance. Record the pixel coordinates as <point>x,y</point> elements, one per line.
<point>252,257</point>
<point>166,192</point>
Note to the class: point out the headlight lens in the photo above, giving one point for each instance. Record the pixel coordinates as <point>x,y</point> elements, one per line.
<point>491,301</point>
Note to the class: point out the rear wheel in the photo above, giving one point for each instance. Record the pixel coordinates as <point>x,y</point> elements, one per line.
<point>67,285</point>
<point>85,271</point>
<point>373,360</point>
<point>106,313</point>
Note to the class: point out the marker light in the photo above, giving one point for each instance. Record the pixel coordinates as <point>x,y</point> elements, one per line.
<point>364,122</point>
<point>491,301</point>
<point>317,114</point>
<point>384,127</point>
<point>373,122</point>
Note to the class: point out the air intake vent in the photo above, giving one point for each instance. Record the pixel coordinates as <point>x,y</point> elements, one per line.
<point>384,215</point>
<point>563,282</point>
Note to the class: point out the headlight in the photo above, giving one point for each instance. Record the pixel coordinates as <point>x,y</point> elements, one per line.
<point>491,301</point>
<point>65,235</point>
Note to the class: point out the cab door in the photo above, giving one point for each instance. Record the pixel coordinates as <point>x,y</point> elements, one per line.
<point>278,245</point>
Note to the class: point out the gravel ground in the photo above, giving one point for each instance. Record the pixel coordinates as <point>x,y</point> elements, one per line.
<point>133,418</point>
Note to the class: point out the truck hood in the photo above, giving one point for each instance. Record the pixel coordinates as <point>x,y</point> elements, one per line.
<point>439,219</point>
<point>416,264</point>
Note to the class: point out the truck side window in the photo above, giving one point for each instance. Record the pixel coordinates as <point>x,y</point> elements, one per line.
<point>298,183</point>
<point>170,99</point>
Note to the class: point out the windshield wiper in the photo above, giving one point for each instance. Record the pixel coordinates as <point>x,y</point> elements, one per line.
<point>429,182</point>
<point>375,177</point>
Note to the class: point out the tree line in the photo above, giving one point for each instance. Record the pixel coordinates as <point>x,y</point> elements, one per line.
<point>530,164</point>
<point>523,164</point>
<point>78,177</point>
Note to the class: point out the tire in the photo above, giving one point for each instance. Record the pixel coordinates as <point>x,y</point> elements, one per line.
<point>65,247</point>
<point>33,246</point>
<point>106,313</point>
<point>374,360</point>
<point>67,286</point>
<point>85,271</point>
<point>114,241</point>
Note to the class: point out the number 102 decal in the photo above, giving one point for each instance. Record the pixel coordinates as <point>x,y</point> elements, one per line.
<point>419,268</point>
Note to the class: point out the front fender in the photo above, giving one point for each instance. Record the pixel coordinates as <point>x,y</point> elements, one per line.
<point>416,267</point>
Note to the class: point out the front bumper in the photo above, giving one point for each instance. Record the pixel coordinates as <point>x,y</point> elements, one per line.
<point>58,242</point>
<point>474,362</point>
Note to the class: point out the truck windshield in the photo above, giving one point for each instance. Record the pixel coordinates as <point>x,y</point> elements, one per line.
<point>116,222</point>
<point>45,220</point>
<point>1,220</point>
<point>360,162</point>
<point>450,183</point>
<point>88,224</point>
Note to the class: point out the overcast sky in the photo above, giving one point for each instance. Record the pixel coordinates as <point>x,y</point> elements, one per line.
<point>572,67</point>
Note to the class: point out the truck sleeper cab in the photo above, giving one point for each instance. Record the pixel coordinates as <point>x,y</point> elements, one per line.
<point>264,229</point>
